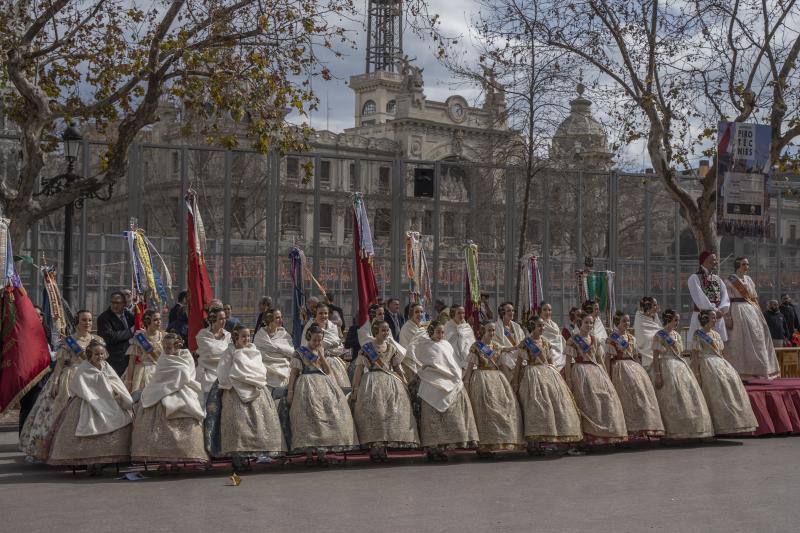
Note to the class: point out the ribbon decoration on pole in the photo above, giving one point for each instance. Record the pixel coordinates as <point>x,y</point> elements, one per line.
<point>297,260</point>
<point>417,269</point>
<point>472,289</point>
<point>534,278</point>
<point>364,253</point>
<point>24,353</point>
<point>146,277</point>
<point>199,285</point>
<point>53,305</point>
<point>598,286</point>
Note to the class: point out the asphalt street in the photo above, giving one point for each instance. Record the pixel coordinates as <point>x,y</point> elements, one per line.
<point>749,485</point>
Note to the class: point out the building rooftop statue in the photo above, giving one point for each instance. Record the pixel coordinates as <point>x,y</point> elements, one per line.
<point>581,136</point>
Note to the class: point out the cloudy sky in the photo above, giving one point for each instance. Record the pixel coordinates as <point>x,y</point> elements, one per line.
<point>336,107</point>
<point>336,99</point>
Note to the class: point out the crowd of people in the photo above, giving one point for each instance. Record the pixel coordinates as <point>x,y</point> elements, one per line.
<point>402,380</point>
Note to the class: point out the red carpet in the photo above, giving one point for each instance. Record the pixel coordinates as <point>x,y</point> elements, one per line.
<point>776,404</point>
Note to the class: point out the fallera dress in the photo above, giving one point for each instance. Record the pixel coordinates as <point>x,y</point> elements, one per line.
<point>38,428</point>
<point>602,418</point>
<point>168,426</point>
<point>95,427</point>
<point>319,415</point>
<point>548,410</point>
<point>683,407</point>
<point>722,387</point>
<point>633,386</point>
<point>383,413</point>
<point>494,404</point>
<point>144,363</point>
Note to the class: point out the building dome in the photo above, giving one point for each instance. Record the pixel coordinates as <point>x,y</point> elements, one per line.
<point>580,136</point>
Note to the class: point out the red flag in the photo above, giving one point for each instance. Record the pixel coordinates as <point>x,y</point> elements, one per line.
<point>200,293</point>
<point>138,314</point>
<point>365,277</point>
<point>25,357</point>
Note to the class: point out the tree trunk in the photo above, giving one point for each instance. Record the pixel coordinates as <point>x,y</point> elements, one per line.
<point>523,230</point>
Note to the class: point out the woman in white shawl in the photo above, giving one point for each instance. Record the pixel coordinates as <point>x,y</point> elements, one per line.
<point>38,427</point>
<point>459,334</point>
<point>508,334</point>
<point>412,333</point>
<point>249,423</point>
<point>376,314</point>
<point>446,419</point>
<point>143,352</point>
<point>169,420</point>
<point>599,332</point>
<point>552,334</point>
<point>645,326</point>
<point>212,342</point>
<point>332,341</point>
<point>95,427</point>
<point>320,417</point>
<point>275,345</point>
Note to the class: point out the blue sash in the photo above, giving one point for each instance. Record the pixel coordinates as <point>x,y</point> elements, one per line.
<point>308,355</point>
<point>666,337</point>
<point>704,337</point>
<point>617,338</point>
<point>73,345</point>
<point>485,350</point>
<point>143,342</point>
<point>371,352</point>
<point>581,342</point>
<point>531,346</point>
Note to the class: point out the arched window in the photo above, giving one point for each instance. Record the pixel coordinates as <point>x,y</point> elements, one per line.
<point>369,108</point>
<point>391,107</point>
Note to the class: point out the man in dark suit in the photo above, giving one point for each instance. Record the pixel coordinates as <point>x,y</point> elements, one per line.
<point>178,319</point>
<point>115,326</point>
<point>394,317</point>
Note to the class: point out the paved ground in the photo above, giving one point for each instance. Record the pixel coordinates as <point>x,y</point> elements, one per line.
<point>748,486</point>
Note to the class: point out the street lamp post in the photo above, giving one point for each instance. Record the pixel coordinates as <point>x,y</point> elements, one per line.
<point>56,185</point>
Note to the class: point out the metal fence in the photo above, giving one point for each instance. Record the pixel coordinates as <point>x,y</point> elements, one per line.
<point>255,207</point>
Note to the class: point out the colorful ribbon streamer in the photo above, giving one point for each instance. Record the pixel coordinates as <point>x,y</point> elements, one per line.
<point>473,280</point>
<point>147,278</point>
<point>417,269</point>
<point>534,279</point>
<point>297,260</point>
<point>364,232</point>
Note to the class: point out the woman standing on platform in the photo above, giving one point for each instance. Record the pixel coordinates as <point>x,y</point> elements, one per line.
<point>34,438</point>
<point>332,343</point>
<point>548,409</point>
<point>275,345</point>
<point>602,418</point>
<point>722,387</point>
<point>446,419</point>
<point>95,427</point>
<point>633,385</point>
<point>494,404</point>
<point>382,413</point>
<point>212,342</point>
<point>459,334</point>
<point>249,424</point>
<point>320,416</point>
<point>750,348</point>
<point>169,420</point>
<point>144,352</point>
<point>683,408</point>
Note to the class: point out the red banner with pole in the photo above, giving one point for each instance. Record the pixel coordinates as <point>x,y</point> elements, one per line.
<point>199,286</point>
